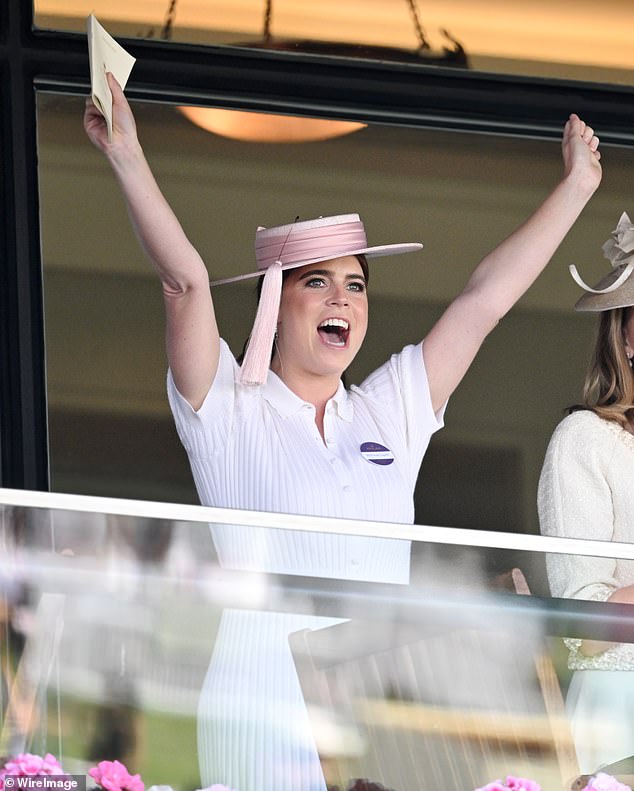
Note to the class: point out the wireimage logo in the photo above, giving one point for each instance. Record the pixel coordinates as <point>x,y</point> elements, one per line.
<point>45,782</point>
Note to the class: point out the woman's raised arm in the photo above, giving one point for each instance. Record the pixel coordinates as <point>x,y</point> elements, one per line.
<point>506,273</point>
<point>191,331</point>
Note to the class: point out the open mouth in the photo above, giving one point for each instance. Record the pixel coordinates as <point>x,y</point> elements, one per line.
<point>334,332</point>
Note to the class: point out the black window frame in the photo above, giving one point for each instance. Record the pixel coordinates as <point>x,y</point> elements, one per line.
<point>398,94</point>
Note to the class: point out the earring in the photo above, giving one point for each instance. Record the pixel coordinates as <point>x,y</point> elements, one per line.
<point>630,361</point>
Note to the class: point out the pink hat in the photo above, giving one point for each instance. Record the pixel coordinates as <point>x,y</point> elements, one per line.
<point>288,247</point>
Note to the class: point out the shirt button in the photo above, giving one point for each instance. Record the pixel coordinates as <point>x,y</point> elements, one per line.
<point>354,562</point>
<point>347,488</point>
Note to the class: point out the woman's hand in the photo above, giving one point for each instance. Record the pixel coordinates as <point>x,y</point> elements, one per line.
<point>581,155</point>
<point>620,596</point>
<point>123,124</point>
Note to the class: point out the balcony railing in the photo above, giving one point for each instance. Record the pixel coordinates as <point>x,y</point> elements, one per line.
<point>201,645</point>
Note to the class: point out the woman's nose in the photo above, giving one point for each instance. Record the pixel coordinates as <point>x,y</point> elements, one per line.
<point>339,296</point>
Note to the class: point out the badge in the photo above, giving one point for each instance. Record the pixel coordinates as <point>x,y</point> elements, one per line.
<point>375,453</point>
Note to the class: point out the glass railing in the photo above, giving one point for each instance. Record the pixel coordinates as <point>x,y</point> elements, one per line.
<point>273,652</point>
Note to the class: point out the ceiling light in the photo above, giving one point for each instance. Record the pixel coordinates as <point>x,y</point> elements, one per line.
<point>272,128</point>
<point>267,127</point>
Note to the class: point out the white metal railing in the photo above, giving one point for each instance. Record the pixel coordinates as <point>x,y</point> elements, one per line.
<point>353,527</point>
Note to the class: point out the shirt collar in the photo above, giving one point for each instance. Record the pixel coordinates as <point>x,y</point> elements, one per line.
<point>286,403</point>
<point>343,403</point>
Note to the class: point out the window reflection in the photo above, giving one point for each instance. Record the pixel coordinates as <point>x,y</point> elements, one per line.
<point>529,38</point>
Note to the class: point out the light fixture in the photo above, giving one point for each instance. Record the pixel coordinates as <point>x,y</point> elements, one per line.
<point>266,127</point>
<point>273,128</point>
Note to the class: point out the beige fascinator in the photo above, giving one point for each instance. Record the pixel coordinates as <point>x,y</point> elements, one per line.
<point>616,289</point>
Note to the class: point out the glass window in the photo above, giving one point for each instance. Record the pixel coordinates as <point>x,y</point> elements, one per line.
<point>541,38</point>
<point>110,428</point>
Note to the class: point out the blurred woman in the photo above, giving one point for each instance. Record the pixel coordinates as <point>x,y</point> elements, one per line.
<point>586,490</point>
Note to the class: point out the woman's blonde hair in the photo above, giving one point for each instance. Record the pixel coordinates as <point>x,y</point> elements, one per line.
<point>609,386</point>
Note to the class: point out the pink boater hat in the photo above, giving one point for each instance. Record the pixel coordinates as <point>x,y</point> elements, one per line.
<point>288,247</point>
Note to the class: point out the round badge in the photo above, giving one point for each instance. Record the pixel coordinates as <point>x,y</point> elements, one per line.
<point>375,453</point>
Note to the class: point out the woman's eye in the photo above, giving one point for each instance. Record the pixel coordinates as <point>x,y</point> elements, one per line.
<point>315,282</point>
<point>356,286</point>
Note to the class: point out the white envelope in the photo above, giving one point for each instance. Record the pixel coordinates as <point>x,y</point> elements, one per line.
<point>106,55</point>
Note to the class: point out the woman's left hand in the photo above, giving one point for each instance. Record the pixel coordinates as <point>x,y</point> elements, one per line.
<point>580,151</point>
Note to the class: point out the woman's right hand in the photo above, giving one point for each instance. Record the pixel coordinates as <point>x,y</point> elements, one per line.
<point>123,124</point>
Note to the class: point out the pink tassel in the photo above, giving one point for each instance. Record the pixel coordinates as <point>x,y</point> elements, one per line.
<point>257,358</point>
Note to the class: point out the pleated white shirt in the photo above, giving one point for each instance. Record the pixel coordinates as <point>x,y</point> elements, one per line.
<point>258,448</point>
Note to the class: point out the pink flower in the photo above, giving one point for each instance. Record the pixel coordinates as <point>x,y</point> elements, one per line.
<point>516,784</point>
<point>522,784</point>
<point>113,776</point>
<point>603,782</point>
<point>26,764</point>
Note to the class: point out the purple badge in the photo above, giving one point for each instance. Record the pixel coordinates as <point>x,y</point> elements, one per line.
<point>375,453</point>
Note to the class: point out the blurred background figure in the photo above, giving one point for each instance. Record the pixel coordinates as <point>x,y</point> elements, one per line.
<point>586,490</point>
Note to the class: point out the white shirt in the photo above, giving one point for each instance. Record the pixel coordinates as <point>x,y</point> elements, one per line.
<point>258,448</point>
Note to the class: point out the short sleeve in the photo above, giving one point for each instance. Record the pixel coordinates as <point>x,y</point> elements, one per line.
<point>575,501</point>
<point>202,431</point>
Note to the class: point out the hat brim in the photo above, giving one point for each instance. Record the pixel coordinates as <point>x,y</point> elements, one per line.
<point>370,252</point>
<point>622,297</point>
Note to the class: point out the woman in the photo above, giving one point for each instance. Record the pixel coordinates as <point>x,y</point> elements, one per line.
<point>301,442</point>
<point>586,491</point>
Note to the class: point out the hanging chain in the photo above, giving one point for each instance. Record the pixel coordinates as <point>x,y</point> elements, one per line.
<point>420,33</point>
<point>166,32</point>
<point>422,40</point>
<point>266,30</point>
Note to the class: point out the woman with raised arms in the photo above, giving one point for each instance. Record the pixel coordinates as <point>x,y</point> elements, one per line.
<point>283,434</point>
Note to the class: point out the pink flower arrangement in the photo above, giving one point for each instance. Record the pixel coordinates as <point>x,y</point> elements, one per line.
<point>598,782</point>
<point>27,764</point>
<point>512,784</point>
<point>108,775</point>
<point>113,776</point>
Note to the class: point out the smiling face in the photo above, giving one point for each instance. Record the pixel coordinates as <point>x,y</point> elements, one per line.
<point>323,319</point>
